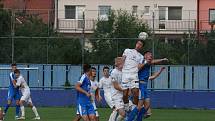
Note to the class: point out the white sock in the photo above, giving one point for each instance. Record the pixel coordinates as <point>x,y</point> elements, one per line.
<point>113,116</point>
<point>22,110</point>
<point>119,118</point>
<point>34,109</point>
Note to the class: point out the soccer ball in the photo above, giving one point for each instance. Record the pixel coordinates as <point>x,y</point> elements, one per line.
<point>142,35</point>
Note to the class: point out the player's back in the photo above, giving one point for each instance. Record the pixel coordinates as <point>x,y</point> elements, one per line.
<point>116,76</point>
<point>133,58</point>
<point>85,85</point>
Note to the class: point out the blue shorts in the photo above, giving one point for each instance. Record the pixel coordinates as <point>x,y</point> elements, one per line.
<point>143,92</point>
<point>86,109</point>
<point>13,94</point>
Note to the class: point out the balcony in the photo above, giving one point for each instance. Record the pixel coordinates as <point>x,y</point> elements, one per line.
<point>172,26</point>
<point>160,26</point>
<point>76,26</point>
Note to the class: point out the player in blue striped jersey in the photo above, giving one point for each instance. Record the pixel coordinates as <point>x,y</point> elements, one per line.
<point>83,86</point>
<point>13,92</point>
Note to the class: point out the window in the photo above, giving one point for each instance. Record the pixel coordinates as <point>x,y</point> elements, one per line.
<point>74,12</point>
<point>134,10</point>
<point>70,12</point>
<point>162,13</point>
<point>212,16</point>
<point>170,13</point>
<point>174,13</point>
<point>104,12</point>
<point>146,10</point>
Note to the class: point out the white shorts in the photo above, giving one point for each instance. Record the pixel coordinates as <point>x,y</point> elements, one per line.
<point>130,80</point>
<point>118,102</point>
<point>108,100</point>
<point>26,96</point>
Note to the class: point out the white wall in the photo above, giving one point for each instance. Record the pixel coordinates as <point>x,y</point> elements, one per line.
<point>92,6</point>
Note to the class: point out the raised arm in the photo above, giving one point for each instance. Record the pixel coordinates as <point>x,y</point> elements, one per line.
<point>157,61</point>
<point>156,74</point>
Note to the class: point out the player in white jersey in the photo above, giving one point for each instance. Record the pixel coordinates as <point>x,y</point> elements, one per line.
<point>26,96</point>
<point>105,83</point>
<point>117,91</point>
<point>95,94</point>
<point>133,60</point>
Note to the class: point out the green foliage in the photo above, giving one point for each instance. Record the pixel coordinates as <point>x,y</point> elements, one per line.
<point>120,24</point>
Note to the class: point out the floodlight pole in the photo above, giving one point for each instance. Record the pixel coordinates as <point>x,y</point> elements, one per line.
<point>83,40</point>
<point>12,35</point>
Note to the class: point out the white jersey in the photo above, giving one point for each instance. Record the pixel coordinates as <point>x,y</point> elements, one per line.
<point>94,87</point>
<point>23,85</point>
<point>116,76</point>
<point>132,60</point>
<point>106,84</point>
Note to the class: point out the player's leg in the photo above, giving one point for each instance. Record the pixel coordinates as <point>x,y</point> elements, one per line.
<point>91,112</point>
<point>135,92</point>
<point>1,115</point>
<point>125,87</point>
<point>34,109</point>
<point>120,108</point>
<point>147,104</point>
<point>144,100</point>
<point>121,116</point>
<point>17,98</point>
<point>137,108</point>
<point>96,111</point>
<point>22,108</point>
<point>113,115</point>
<point>77,117</point>
<point>10,96</point>
<point>135,87</point>
<point>82,110</point>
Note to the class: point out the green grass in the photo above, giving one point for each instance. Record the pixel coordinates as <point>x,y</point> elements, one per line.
<point>67,114</point>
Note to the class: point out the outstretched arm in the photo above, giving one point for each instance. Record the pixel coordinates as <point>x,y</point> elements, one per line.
<point>156,74</point>
<point>157,61</point>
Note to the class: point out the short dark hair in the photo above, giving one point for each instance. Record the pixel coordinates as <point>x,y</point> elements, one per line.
<point>93,68</point>
<point>17,71</point>
<point>13,64</point>
<point>147,51</point>
<point>141,41</point>
<point>106,67</point>
<point>86,67</point>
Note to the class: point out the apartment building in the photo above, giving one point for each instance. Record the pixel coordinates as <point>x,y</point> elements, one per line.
<point>167,18</point>
<point>206,15</point>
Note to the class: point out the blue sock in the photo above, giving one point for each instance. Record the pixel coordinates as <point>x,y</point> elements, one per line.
<point>141,113</point>
<point>6,108</point>
<point>132,114</point>
<point>17,110</point>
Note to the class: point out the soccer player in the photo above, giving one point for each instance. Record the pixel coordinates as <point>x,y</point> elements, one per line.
<point>26,96</point>
<point>13,93</point>
<point>132,59</point>
<point>83,86</point>
<point>143,75</point>
<point>117,94</point>
<point>95,92</point>
<point>106,83</point>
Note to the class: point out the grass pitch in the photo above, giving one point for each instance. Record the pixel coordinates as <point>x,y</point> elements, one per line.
<point>68,113</point>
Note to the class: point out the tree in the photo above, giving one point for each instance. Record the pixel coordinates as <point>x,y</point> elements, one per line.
<point>120,24</point>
